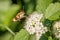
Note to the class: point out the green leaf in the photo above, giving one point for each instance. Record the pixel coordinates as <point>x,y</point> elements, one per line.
<point>50,38</point>
<point>32,37</point>
<point>7,13</point>
<point>11,38</point>
<point>47,22</point>
<point>43,37</point>
<point>29,7</point>
<point>26,1</point>
<point>4,5</point>
<point>10,14</point>
<point>22,35</point>
<point>6,36</point>
<point>53,11</point>
<point>20,25</point>
<point>19,3</point>
<point>41,5</point>
<point>13,25</point>
<point>6,17</point>
<point>59,0</point>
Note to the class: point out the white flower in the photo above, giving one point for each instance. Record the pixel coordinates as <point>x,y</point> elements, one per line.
<point>33,24</point>
<point>38,35</point>
<point>56,29</point>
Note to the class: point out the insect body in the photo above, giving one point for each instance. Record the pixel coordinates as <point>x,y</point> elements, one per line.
<point>19,16</point>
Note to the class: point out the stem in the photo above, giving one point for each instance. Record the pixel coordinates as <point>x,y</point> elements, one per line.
<point>8,29</point>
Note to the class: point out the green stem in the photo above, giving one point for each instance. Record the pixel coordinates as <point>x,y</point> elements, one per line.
<point>8,29</point>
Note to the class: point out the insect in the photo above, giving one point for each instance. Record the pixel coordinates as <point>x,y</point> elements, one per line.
<point>19,16</point>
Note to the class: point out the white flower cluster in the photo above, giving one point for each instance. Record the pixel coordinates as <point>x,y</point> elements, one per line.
<point>56,29</point>
<point>33,25</point>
